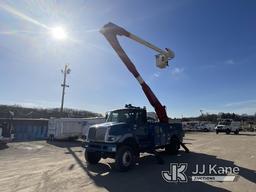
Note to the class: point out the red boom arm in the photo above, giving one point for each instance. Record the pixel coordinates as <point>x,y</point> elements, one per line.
<point>110,31</point>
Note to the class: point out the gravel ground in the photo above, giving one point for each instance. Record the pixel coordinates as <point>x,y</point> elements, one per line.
<point>60,166</point>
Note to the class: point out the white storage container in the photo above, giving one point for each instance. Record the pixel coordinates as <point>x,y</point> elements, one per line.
<point>70,128</point>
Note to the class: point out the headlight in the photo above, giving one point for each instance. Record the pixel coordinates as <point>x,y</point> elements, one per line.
<point>113,138</point>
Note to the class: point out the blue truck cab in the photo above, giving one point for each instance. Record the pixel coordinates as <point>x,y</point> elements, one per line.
<point>128,132</point>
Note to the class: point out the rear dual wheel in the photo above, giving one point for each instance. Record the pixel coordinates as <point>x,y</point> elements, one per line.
<point>173,147</point>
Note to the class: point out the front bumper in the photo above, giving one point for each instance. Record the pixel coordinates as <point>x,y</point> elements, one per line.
<point>101,147</point>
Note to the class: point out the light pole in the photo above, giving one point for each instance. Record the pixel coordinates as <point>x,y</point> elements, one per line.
<point>66,71</point>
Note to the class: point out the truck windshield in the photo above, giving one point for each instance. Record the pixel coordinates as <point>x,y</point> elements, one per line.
<point>121,116</point>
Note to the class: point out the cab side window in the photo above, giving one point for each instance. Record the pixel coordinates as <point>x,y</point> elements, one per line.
<point>140,118</point>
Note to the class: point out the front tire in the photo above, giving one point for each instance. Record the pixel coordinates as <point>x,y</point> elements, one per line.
<point>228,131</point>
<point>92,157</point>
<point>125,158</point>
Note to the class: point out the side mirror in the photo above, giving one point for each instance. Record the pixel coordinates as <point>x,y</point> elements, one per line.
<point>106,115</point>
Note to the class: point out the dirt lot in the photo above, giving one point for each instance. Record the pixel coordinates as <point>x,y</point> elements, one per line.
<point>60,166</point>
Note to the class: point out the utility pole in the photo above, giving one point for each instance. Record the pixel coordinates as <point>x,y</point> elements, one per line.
<point>202,115</point>
<point>66,71</point>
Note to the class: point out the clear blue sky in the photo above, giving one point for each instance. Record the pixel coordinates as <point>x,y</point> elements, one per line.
<point>214,41</point>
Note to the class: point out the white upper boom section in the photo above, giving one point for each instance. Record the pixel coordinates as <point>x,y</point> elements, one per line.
<point>162,58</point>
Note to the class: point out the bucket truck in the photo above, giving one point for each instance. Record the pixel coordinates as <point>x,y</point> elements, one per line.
<point>127,132</point>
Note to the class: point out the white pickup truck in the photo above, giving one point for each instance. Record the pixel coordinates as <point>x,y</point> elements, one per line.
<point>228,126</point>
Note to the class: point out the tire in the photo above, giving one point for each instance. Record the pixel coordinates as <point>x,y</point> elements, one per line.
<point>228,131</point>
<point>236,132</point>
<point>173,147</point>
<point>125,158</point>
<point>92,157</point>
<point>217,132</point>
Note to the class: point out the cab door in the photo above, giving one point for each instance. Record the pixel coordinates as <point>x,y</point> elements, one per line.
<point>141,129</point>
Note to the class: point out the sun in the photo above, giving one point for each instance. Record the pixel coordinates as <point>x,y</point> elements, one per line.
<point>59,33</point>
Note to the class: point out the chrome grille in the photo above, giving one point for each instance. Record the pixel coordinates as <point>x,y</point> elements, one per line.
<point>92,133</point>
<point>97,133</point>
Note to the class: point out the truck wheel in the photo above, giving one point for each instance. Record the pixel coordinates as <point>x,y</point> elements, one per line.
<point>125,158</point>
<point>236,132</point>
<point>173,147</point>
<point>92,157</point>
<point>217,132</point>
<point>228,131</point>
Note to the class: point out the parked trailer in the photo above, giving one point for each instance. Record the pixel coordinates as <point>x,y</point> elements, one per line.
<point>24,129</point>
<point>71,128</point>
